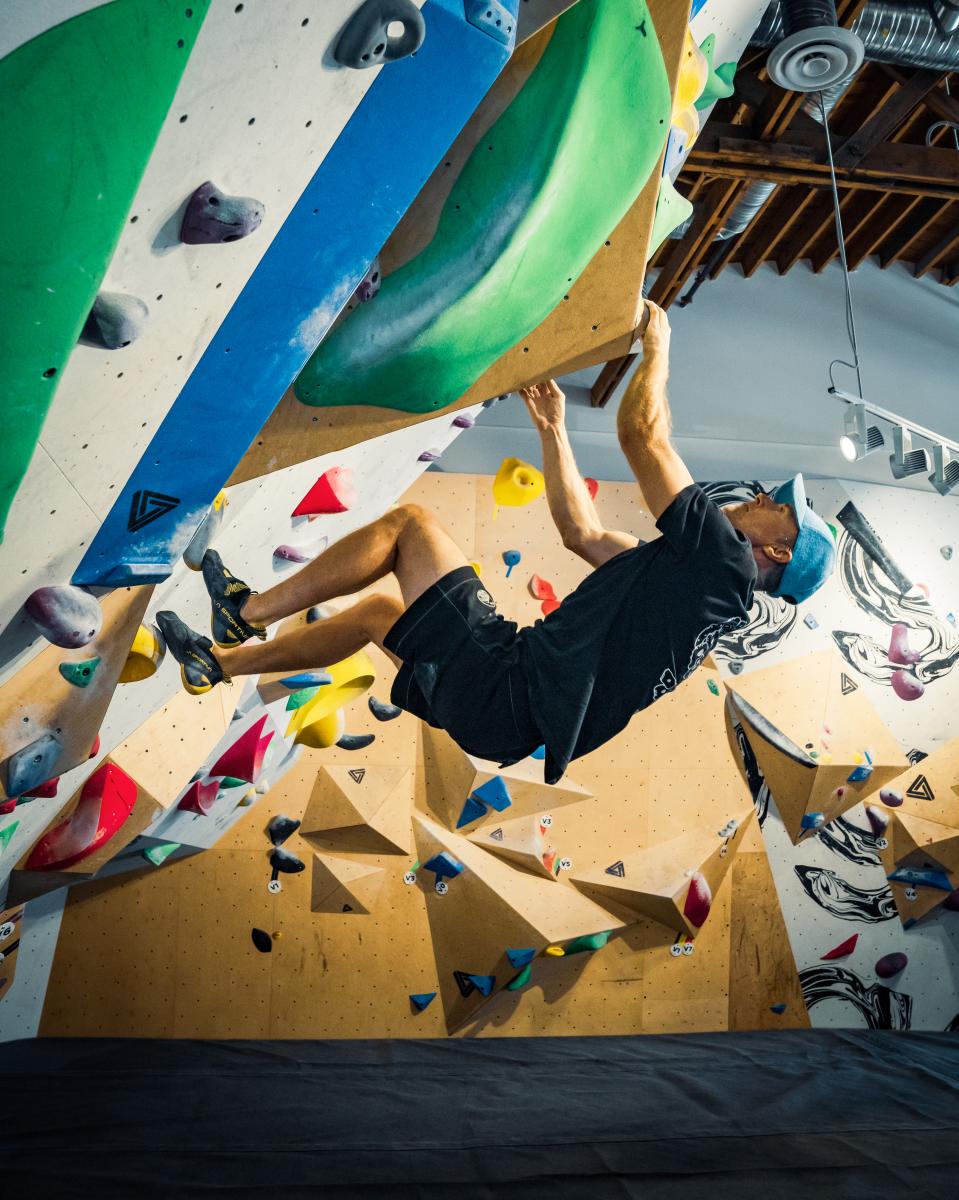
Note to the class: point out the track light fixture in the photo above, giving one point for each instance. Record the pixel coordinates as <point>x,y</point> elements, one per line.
<point>945,477</point>
<point>859,437</point>
<point>905,460</point>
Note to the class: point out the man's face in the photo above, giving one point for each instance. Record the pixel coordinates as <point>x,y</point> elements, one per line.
<point>764,521</point>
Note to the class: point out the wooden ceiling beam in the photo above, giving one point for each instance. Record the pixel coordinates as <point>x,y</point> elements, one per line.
<point>944,249</point>
<point>898,103</point>
<point>895,248</point>
<point>817,210</point>
<point>943,106</point>
<point>768,236</point>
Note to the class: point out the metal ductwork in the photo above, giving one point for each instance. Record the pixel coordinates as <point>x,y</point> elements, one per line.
<point>812,52</point>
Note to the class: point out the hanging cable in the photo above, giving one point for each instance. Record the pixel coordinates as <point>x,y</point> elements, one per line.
<point>841,240</point>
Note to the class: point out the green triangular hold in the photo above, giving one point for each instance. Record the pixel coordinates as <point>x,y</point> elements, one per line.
<point>298,699</point>
<point>230,781</point>
<point>159,854</point>
<point>521,980</point>
<point>672,209</point>
<point>80,674</point>
<point>719,81</point>
<point>6,833</point>
<point>591,941</point>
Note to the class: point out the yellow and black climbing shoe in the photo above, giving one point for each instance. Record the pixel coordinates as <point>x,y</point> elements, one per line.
<point>199,670</point>
<point>227,597</point>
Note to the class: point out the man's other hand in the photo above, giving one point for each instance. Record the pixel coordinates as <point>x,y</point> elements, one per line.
<point>656,336</point>
<point>546,404</point>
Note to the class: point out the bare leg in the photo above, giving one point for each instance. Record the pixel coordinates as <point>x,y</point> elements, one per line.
<point>408,540</point>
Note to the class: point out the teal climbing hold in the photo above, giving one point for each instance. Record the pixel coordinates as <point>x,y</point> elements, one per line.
<point>6,833</point>
<point>589,941</point>
<point>80,674</point>
<point>421,1000</point>
<point>473,809</point>
<point>719,82</point>
<point>521,980</point>
<point>494,793</point>
<point>301,697</point>
<point>230,781</point>
<point>713,686</point>
<point>159,854</point>
<point>520,958</point>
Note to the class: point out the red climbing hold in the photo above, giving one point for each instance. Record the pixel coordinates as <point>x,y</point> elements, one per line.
<point>95,748</point>
<point>106,801</point>
<point>843,950</point>
<point>899,650</point>
<point>333,492</point>
<point>541,589</point>
<point>549,606</point>
<point>199,797</point>
<point>244,758</point>
<point>591,486</point>
<point>45,791</point>
<point>699,900</point>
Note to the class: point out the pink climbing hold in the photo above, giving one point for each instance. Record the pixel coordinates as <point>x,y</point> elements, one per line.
<point>906,685</point>
<point>877,819</point>
<point>7,806</point>
<point>105,803</point>
<point>699,900</point>
<point>199,797</point>
<point>891,964</point>
<point>899,650</point>
<point>843,950</point>
<point>541,589</point>
<point>45,791</point>
<point>66,615</point>
<point>333,492</point>
<point>591,486</point>
<point>244,758</point>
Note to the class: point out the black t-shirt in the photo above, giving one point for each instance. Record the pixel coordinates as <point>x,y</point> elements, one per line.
<point>636,627</point>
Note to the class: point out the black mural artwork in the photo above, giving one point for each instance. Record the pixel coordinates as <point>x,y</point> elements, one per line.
<point>865,577</point>
<point>880,1006</point>
<point>770,620</point>
<point>754,776</point>
<point>844,900</point>
<point>916,756</point>
<point>850,842</point>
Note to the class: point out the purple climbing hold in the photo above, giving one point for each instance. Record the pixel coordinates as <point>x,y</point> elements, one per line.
<point>890,797</point>
<point>878,820</point>
<point>465,420</point>
<point>65,615</point>
<point>369,285</point>
<point>906,685</point>
<point>891,964</point>
<point>365,40</point>
<point>428,456</point>
<point>292,554</point>
<point>115,321</point>
<point>212,217</point>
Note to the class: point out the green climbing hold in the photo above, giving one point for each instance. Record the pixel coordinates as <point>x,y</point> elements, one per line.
<point>521,980</point>
<point>301,697</point>
<point>79,674</point>
<point>713,686</point>
<point>159,854</point>
<point>672,209</point>
<point>229,781</point>
<point>589,941</point>
<point>6,833</point>
<point>719,81</point>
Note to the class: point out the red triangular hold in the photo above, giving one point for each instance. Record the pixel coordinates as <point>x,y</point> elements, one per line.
<point>199,797</point>
<point>843,950</point>
<point>106,801</point>
<point>244,758</point>
<point>333,492</point>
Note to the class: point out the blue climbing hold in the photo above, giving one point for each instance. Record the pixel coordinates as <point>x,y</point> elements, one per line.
<point>443,865</point>
<point>484,984</point>
<point>921,877</point>
<point>778,1009</point>
<point>494,794</point>
<point>539,752</point>
<point>33,765</point>
<point>306,679</point>
<point>512,558</point>
<point>860,773</point>
<point>519,958</point>
<point>472,811</point>
<point>421,1000</point>
<point>814,820</point>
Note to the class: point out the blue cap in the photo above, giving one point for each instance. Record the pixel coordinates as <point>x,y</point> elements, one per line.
<point>814,553</point>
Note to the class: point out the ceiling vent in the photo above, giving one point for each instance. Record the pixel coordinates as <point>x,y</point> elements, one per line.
<point>815,53</point>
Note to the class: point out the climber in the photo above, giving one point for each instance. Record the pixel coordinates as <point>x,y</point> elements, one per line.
<point>637,626</point>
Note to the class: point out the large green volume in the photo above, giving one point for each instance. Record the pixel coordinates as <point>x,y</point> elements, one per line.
<point>82,107</point>
<point>555,174</point>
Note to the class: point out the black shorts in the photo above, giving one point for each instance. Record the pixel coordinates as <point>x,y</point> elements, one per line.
<point>461,669</point>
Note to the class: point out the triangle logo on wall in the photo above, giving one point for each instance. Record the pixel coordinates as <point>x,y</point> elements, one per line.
<point>147,506</point>
<point>919,789</point>
<point>848,685</point>
<point>357,773</point>
<point>497,834</point>
<point>617,869</point>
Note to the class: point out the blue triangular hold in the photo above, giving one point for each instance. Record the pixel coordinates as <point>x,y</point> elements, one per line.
<point>484,984</point>
<point>519,958</point>
<point>443,865</point>
<point>493,792</point>
<point>539,752</point>
<point>473,809</point>
<point>421,1000</point>
<point>779,1009</point>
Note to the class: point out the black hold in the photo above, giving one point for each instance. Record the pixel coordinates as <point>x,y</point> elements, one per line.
<point>283,860</point>
<point>115,321</point>
<point>369,285</point>
<point>280,828</point>
<point>356,741</point>
<point>319,612</point>
<point>493,17</point>
<point>365,40</point>
<point>262,940</point>
<point>383,712</point>
<point>212,217</point>
<point>33,765</point>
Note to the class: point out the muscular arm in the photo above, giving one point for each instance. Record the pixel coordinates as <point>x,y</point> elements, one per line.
<point>644,423</point>
<point>570,503</point>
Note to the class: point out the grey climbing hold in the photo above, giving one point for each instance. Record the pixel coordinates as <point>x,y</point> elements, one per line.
<point>204,534</point>
<point>365,40</point>
<point>369,285</point>
<point>383,712</point>
<point>32,765</point>
<point>212,217</point>
<point>356,741</point>
<point>65,615</point>
<point>493,18</point>
<point>946,552</point>
<point>115,321</point>
<point>280,828</point>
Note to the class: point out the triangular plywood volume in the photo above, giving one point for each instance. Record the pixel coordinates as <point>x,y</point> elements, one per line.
<point>489,907</point>
<point>521,842</point>
<point>450,777</point>
<point>342,885</point>
<point>820,744</point>
<point>361,810</point>
<point>674,882</point>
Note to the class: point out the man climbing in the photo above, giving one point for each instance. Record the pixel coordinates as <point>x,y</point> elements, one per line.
<point>638,625</point>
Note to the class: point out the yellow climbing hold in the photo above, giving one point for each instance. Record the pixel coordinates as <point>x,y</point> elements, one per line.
<point>693,75</point>
<point>351,677</point>
<point>517,483</point>
<point>555,951</point>
<point>145,655</point>
<point>478,568</point>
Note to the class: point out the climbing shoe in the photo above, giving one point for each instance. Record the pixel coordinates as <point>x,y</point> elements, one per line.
<point>227,596</point>
<point>199,670</point>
